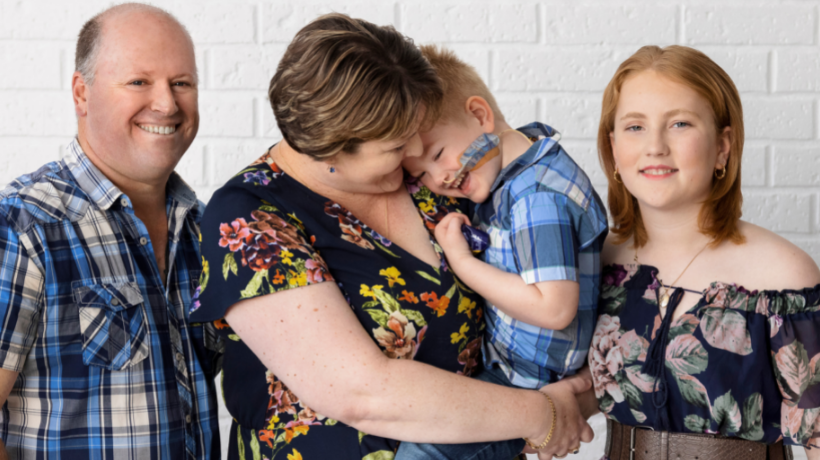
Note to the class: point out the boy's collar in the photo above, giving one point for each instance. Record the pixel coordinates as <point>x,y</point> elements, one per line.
<point>545,138</point>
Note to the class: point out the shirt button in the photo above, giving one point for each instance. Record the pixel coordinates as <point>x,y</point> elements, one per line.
<point>180,358</point>
<point>124,203</point>
<point>115,302</point>
<point>143,241</point>
<point>188,418</point>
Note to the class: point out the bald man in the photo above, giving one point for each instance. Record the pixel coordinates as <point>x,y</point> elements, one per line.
<point>100,259</point>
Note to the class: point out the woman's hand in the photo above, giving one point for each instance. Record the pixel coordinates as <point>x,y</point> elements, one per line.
<point>587,402</point>
<point>571,428</point>
<point>449,237</point>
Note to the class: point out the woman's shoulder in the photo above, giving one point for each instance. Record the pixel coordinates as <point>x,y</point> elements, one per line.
<point>767,261</point>
<point>252,186</point>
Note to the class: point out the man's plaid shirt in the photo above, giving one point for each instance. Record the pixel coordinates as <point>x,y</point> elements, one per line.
<point>109,367</point>
<point>545,223</point>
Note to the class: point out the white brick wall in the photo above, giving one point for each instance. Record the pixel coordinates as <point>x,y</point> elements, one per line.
<point>545,59</point>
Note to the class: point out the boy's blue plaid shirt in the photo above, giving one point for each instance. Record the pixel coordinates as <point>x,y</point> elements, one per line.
<point>109,367</point>
<point>545,223</point>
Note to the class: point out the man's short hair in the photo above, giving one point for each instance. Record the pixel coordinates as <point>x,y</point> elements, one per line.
<point>460,81</point>
<point>89,41</point>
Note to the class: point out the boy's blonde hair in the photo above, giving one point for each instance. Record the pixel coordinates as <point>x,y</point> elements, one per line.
<point>460,81</point>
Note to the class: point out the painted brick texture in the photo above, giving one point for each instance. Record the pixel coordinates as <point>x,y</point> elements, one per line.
<point>546,60</point>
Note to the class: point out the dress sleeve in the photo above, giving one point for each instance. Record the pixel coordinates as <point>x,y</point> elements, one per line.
<point>794,322</point>
<point>250,248</point>
<point>21,295</point>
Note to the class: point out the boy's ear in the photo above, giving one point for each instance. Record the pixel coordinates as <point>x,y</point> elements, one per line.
<point>479,108</point>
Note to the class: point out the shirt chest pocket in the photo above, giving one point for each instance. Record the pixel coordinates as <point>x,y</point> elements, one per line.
<point>112,323</point>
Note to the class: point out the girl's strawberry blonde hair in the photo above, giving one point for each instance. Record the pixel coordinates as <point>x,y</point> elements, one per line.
<point>720,213</point>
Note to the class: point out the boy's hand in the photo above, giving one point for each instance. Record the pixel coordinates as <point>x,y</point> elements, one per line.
<point>449,237</point>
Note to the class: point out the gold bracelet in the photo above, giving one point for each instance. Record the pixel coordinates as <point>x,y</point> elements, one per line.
<point>552,427</point>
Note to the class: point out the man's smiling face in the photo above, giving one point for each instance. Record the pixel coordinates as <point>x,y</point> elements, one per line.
<point>141,113</point>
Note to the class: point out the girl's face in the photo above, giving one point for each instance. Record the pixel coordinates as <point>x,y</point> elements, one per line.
<point>665,142</point>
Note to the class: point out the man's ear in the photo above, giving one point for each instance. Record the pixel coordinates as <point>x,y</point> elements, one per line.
<point>479,108</point>
<point>79,90</point>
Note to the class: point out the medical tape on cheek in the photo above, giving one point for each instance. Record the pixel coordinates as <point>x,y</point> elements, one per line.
<point>482,150</point>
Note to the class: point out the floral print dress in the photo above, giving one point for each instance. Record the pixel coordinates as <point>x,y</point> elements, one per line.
<point>264,232</point>
<point>739,363</point>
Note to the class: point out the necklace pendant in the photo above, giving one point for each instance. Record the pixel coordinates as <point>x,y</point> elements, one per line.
<point>664,301</point>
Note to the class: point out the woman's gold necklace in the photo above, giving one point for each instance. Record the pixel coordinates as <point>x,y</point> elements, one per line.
<point>664,298</point>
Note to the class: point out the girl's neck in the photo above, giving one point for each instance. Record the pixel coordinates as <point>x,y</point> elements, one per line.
<point>672,232</point>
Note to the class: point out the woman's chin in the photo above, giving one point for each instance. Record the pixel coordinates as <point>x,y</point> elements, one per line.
<point>392,181</point>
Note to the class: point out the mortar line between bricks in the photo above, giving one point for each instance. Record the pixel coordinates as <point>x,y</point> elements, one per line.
<point>257,23</point>
<point>816,112</point>
<point>206,71</point>
<point>490,67</point>
<point>768,160</point>
<point>772,71</point>
<point>257,120</point>
<point>816,27</point>
<point>63,64</point>
<point>817,214</point>
<point>802,191</point>
<point>206,165</point>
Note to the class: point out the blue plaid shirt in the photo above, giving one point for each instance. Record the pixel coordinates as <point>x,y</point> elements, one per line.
<point>545,223</point>
<point>109,367</point>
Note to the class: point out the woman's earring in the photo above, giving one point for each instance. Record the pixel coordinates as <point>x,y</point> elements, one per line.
<point>617,176</point>
<point>722,173</point>
<point>332,170</point>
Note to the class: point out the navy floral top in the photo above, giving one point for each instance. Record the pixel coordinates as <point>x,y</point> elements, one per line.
<point>740,363</point>
<point>264,232</point>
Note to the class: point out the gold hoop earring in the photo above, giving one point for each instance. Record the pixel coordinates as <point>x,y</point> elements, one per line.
<point>617,176</point>
<point>721,176</point>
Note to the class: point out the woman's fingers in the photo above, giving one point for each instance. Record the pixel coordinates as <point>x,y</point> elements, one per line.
<point>587,434</point>
<point>571,429</point>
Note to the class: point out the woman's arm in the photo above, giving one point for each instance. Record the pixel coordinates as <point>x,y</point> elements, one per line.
<point>312,341</point>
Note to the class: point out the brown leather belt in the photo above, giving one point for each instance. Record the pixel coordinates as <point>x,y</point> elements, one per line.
<point>624,442</point>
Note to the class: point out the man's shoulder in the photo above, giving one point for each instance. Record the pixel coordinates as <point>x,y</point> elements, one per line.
<point>48,194</point>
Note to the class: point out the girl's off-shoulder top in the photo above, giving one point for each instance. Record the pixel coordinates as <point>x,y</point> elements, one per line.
<point>739,363</point>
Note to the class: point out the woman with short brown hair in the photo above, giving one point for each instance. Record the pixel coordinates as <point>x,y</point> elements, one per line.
<point>345,328</point>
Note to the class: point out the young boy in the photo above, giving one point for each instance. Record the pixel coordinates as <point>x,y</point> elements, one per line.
<point>540,275</point>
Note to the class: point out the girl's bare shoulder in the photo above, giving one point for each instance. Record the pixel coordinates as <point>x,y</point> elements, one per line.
<point>768,261</point>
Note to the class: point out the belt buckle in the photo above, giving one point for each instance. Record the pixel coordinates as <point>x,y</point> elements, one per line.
<point>632,439</point>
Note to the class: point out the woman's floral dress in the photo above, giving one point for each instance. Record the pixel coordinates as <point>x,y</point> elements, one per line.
<point>740,363</point>
<point>264,232</point>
